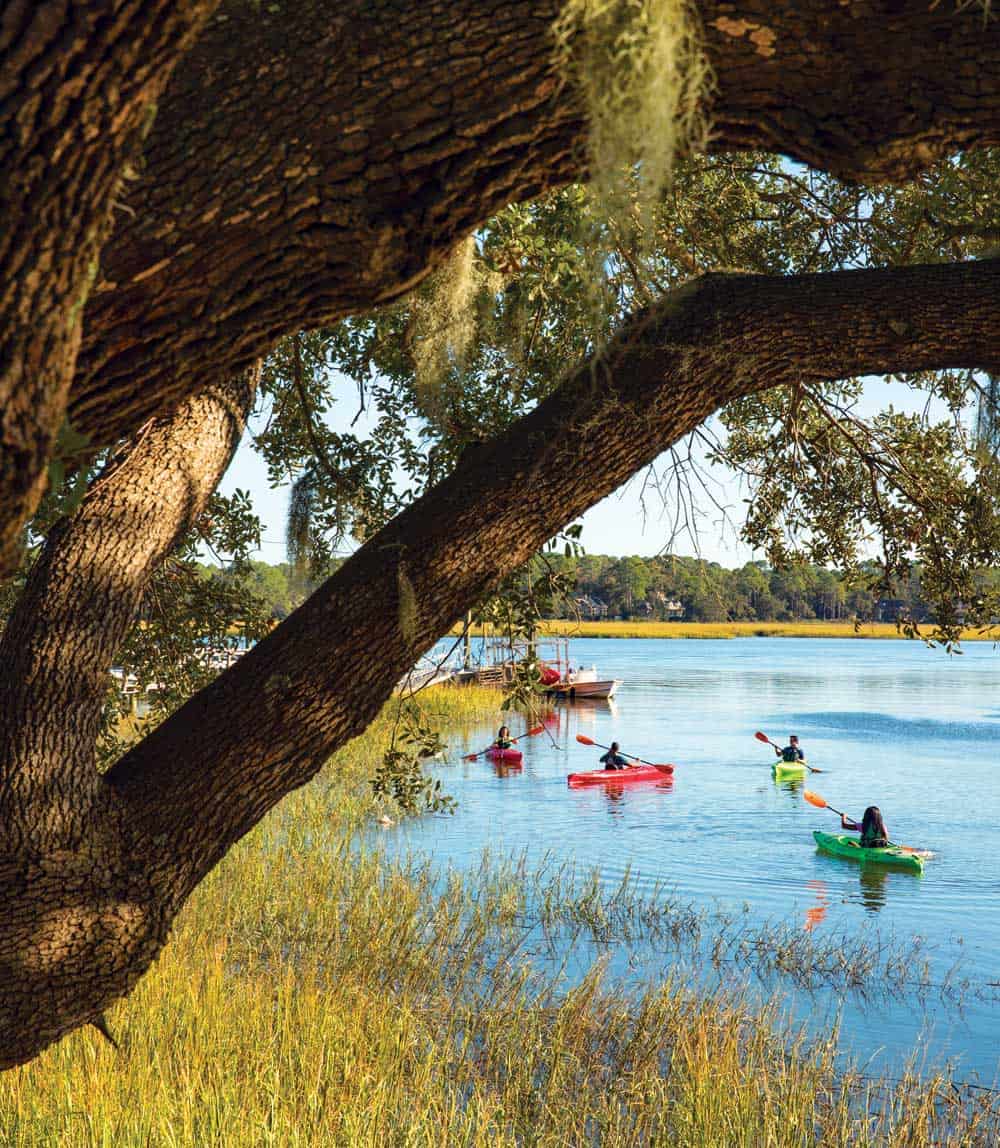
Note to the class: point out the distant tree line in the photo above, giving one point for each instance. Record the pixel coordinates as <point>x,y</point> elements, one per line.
<point>663,588</point>
<point>693,589</point>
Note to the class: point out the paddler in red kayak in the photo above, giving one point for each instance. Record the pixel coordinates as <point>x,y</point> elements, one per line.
<point>503,738</point>
<point>613,759</point>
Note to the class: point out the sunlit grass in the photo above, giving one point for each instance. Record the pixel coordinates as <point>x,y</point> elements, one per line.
<point>315,994</point>
<point>636,629</point>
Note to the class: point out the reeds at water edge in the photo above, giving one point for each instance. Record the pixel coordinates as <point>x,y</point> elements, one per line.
<point>315,993</point>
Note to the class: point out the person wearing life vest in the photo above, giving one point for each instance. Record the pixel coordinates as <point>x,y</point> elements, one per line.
<point>613,759</point>
<point>503,740</point>
<point>792,752</point>
<point>874,834</point>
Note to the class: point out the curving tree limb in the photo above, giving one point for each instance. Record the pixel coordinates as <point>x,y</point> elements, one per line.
<point>303,170</point>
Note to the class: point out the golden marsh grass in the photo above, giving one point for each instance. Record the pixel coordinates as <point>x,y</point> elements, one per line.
<point>315,994</point>
<point>573,629</point>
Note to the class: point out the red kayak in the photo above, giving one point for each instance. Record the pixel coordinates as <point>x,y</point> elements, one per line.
<point>510,756</point>
<point>620,776</point>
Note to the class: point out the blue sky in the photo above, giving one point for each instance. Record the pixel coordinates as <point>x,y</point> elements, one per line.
<point>630,521</point>
<point>617,525</point>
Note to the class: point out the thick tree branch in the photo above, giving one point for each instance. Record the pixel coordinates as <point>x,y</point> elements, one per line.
<point>77,84</point>
<point>302,170</point>
<point>204,777</point>
<point>82,595</point>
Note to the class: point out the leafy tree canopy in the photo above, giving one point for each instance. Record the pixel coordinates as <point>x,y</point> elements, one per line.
<point>545,283</point>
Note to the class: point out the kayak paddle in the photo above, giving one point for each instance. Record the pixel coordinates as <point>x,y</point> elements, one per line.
<point>821,803</point>
<point>584,740</point>
<point>764,738</point>
<point>527,733</point>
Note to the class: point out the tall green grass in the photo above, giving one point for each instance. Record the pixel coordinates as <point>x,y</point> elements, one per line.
<point>314,994</point>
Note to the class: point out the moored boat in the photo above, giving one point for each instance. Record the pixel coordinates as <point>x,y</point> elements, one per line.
<point>584,683</point>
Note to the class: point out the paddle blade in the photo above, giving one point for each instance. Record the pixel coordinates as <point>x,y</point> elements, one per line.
<point>584,740</point>
<point>762,737</point>
<point>532,732</point>
<point>814,799</point>
<point>665,768</point>
<point>470,757</point>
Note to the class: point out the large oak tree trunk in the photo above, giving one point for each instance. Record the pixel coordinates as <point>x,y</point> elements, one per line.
<point>302,170</point>
<point>91,890</point>
<point>79,918</point>
<point>78,83</point>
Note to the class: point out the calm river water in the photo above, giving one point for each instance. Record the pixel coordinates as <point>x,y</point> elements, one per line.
<point>890,722</point>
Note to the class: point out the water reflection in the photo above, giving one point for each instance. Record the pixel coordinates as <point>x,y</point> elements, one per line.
<point>873,891</point>
<point>589,711</point>
<point>816,913</point>
<point>615,793</point>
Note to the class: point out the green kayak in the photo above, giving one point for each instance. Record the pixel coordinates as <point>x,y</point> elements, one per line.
<point>788,769</point>
<point>840,845</point>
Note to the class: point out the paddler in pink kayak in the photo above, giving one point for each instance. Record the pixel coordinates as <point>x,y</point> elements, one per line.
<point>503,738</point>
<point>613,759</point>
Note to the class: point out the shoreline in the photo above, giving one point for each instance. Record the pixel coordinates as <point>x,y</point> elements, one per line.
<point>879,631</point>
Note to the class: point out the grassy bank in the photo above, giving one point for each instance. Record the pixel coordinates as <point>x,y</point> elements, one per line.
<point>314,994</point>
<point>636,629</point>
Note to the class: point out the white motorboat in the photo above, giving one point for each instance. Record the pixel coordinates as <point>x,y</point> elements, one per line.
<point>584,683</point>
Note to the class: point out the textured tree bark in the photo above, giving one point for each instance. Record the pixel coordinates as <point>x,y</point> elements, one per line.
<point>79,919</point>
<point>77,87</point>
<point>303,170</point>
<point>90,892</point>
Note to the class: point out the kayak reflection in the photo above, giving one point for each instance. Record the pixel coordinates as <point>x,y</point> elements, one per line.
<point>873,891</point>
<point>791,785</point>
<point>817,912</point>
<point>615,793</point>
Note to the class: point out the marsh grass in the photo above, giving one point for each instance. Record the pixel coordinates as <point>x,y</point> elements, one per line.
<point>581,629</point>
<point>314,994</point>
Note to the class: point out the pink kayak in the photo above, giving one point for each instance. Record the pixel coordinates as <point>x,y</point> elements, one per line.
<point>510,756</point>
<point>620,776</point>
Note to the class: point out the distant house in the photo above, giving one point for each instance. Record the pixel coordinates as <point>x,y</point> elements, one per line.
<point>588,607</point>
<point>668,607</point>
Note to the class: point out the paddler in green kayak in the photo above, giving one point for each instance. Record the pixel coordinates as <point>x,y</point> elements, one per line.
<point>613,759</point>
<point>874,834</point>
<point>791,752</point>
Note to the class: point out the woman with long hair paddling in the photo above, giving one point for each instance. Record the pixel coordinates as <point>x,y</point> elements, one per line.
<point>874,845</point>
<point>874,834</point>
